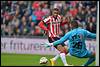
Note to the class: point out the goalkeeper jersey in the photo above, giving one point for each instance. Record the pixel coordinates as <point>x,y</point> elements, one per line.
<point>76,39</point>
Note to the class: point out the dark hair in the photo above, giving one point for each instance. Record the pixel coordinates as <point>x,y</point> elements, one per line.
<point>74,23</point>
<point>56,9</point>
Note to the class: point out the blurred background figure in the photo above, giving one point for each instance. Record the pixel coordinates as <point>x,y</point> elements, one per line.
<point>20,18</point>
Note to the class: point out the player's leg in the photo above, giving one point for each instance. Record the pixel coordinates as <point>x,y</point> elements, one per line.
<point>91,56</point>
<point>63,52</point>
<point>52,60</point>
<point>66,48</point>
<point>57,56</point>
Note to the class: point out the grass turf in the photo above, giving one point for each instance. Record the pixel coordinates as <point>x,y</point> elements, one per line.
<point>33,60</point>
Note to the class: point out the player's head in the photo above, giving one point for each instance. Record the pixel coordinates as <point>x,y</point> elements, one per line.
<point>74,24</point>
<point>55,12</point>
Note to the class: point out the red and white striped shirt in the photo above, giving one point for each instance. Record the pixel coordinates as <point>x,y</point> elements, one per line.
<point>53,25</point>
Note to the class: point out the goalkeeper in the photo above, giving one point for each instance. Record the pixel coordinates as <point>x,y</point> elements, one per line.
<point>77,46</point>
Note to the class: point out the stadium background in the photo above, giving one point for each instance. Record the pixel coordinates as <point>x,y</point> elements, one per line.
<point>19,19</point>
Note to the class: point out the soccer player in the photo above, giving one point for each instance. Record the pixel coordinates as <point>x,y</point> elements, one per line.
<point>77,46</point>
<point>52,25</point>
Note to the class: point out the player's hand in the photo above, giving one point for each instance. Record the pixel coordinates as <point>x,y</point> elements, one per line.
<point>46,32</point>
<point>48,44</point>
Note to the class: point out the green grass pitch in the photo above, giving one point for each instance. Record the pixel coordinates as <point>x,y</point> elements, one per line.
<point>33,60</point>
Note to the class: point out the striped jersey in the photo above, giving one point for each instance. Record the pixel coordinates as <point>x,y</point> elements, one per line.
<point>53,25</point>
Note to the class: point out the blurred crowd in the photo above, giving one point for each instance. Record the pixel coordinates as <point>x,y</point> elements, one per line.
<point>22,17</point>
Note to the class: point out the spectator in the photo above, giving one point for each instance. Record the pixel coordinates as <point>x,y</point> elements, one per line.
<point>22,17</point>
<point>46,10</point>
<point>37,30</point>
<point>15,26</point>
<point>35,5</point>
<point>66,27</point>
<point>91,24</point>
<point>39,14</point>
<point>24,24</point>
<point>34,19</point>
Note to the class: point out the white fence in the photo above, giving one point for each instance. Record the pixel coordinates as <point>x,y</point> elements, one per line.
<point>32,46</point>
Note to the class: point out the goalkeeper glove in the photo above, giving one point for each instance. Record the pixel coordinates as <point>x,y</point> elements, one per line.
<point>48,44</point>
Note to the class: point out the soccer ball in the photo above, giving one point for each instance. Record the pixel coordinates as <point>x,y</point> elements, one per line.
<point>43,60</point>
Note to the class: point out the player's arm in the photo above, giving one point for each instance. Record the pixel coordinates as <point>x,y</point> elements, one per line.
<point>43,23</point>
<point>63,39</point>
<point>90,35</point>
<point>42,26</point>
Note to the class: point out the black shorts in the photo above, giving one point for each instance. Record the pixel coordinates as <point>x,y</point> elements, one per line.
<point>55,39</point>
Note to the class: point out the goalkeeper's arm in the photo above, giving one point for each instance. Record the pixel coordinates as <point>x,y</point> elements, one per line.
<point>61,40</point>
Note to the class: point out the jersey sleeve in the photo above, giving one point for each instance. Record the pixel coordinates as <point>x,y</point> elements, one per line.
<point>63,39</point>
<point>46,20</point>
<point>90,35</point>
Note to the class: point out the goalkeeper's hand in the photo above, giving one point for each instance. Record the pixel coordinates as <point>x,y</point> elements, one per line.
<point>48,44</point>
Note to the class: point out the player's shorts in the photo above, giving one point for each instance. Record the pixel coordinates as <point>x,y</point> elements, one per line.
<point>55,39</point>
